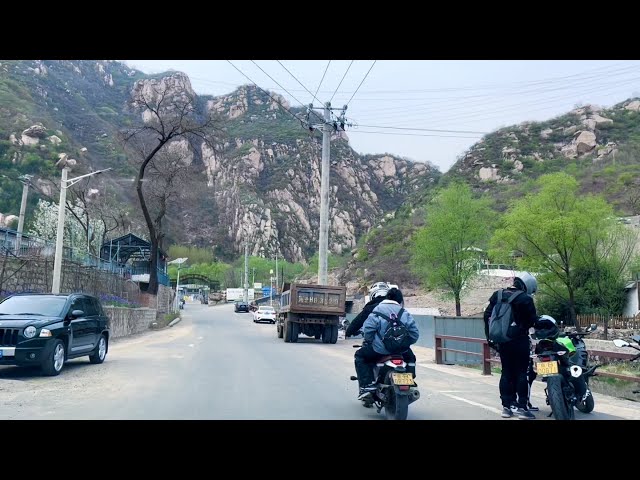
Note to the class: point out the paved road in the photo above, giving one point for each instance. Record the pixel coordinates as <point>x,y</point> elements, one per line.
<point>216,364</point>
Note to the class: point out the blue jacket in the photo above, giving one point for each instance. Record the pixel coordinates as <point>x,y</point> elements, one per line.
<point>374,326</point>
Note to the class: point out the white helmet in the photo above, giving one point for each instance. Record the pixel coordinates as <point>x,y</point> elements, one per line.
<point>378,289</point>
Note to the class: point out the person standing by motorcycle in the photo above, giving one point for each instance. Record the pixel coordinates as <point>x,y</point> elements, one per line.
<point>373,347</point>
<point>515,354</point>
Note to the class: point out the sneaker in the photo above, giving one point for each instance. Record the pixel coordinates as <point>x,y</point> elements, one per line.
<point>532,408</point>
<point>506,412</point>
<point>524,414</point>
<point>364,393</point>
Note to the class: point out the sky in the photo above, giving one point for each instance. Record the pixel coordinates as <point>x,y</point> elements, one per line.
<point>424,110</point>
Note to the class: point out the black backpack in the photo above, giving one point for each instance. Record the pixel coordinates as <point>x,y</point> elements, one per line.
<point>501,318</point>
<point>396,337</point>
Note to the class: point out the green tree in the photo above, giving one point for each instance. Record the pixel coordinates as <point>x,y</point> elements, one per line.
<point>550,230</point>
<point>445,250</point>
<point>607,260</point>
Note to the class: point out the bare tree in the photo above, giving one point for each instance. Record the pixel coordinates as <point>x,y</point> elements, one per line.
<point>170,114</point>
<point>168,177</point>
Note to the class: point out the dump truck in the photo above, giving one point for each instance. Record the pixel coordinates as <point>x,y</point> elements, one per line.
<point>311,310</point>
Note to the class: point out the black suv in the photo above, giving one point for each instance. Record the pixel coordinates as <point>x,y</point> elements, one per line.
<point>242,307</point>
<point>46,330</point>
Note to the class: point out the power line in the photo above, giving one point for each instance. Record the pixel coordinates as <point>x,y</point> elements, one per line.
<point>343,77</point>
<point>322,79</point>
<point>423,129</point>
<point>296,79</point>
<point>283,107</point>
<point>278,83</point>
<point>365,77</point>
<point>412,134</point>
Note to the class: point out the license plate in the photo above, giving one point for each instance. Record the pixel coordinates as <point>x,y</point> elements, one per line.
<point>547,368</point>
<point>402,378</point>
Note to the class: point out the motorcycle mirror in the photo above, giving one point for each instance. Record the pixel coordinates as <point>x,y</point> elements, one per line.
<point>620,343</point>
<point>593,327</point>
<point>356,346</point>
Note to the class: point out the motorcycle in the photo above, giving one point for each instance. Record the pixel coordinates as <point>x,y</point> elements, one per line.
<point>395,388</point>
<point>567,376</point>
<point>621,343</point>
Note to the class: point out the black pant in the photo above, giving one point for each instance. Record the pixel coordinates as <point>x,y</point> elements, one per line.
<point>365,358</point>
<point>514,384</point>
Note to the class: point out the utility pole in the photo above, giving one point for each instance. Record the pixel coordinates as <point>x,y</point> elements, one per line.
<point>23,207</point>
<point>246,272</point>
<point>328,127</point>
<point>324,197</point>
<point>277,284</point>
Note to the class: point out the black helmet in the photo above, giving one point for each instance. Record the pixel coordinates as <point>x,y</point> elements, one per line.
<point>546,328</point>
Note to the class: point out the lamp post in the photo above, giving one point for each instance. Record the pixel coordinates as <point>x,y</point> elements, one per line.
<point>64,184</point>
<point>23,207</point>
<point>179,262</point>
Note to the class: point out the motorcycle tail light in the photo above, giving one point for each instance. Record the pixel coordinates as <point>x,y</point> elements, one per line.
<point>396,361</point>
<point>544,359</point>
<point>404,387</point>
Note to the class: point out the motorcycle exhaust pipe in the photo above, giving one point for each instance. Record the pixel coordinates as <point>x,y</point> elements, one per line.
<point>414,395</point>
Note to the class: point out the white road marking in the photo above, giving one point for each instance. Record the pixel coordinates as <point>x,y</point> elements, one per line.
<point>470,402</point>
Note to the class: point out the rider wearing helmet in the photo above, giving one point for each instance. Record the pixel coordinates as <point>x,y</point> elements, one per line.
<point>377,292</point>
<point>514,354</point>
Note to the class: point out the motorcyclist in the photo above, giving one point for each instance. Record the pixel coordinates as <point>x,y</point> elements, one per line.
<point>377,293</point>
<point>373,347</point>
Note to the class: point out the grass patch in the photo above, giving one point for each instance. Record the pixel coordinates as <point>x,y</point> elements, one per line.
<point>164,320</point>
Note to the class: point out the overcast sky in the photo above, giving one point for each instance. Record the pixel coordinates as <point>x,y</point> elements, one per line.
<point>419,97</point>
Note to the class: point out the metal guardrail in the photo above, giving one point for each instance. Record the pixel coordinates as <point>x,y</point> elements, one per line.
<point>486,365</point>
<point>487,360</point>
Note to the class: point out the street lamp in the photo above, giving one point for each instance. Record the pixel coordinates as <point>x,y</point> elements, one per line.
<point>25,179</point>
<point>64,184</point>
<point>179,262</point>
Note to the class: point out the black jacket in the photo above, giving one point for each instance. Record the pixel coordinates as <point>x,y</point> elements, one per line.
<point>357,322</point>
<point>524,311</point>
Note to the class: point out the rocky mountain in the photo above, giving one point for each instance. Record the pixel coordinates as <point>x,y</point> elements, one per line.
<point>600,146</point>
<point>263,184</point>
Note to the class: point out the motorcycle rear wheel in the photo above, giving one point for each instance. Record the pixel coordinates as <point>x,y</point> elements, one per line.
<point>396,406</point>
<point>559,407</point>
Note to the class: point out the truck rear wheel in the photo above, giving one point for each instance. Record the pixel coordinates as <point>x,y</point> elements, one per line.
<point>287,331</point>
<point>334,334</point>
<point>295,331</point>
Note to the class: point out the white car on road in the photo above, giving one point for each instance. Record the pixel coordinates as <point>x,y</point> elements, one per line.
<point>264,314</point>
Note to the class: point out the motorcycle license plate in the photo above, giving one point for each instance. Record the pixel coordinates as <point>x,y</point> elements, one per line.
<point>402,378</point>
<point>547,368</point>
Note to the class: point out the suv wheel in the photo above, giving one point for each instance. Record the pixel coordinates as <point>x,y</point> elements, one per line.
<point>100,353</point>
<point>54,362</point>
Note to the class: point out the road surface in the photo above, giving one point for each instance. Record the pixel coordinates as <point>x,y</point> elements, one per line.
<point>217,364</point>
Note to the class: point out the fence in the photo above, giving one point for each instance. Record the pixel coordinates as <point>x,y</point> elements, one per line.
<point>615,321</point>
<point>466,348</point>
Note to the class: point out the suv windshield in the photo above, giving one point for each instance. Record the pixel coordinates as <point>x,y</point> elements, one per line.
<point>48,306</point>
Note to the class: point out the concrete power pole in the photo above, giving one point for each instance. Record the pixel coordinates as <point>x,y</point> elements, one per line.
<point>246,272</point>
<point>23,208</point>
<point>324,197</point>
<point>277,283</point>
